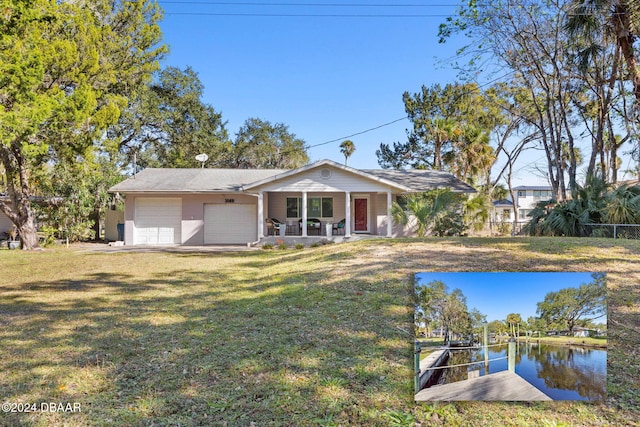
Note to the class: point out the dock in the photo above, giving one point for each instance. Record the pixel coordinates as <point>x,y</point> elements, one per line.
<point>436,358</point>
<point>501,386</point>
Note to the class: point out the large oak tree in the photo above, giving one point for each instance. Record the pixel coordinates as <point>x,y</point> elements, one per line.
<point>66,72</point>
<point>569,305</point>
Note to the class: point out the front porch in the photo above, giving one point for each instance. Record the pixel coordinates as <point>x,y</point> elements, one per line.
<point>309,214</point>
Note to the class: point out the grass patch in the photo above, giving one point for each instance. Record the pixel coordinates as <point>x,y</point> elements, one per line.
<point>273,338</point>
<point>565,340</point>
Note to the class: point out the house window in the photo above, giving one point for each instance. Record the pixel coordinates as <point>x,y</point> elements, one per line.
<point>293,207</point>
<point>522,193</point>
<point>317,207</point>
<point>523,213</point>
<point>543,194</point>
<point>314,207</point>
<point>327,207</point>
<point>506,213</point>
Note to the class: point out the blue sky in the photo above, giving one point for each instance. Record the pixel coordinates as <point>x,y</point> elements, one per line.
<point>498,294</point>
<point>326,77</point>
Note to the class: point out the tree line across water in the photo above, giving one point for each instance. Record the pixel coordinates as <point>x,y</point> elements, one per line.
<point>444,313</point>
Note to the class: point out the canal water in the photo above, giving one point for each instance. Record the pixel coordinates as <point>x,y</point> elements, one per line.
<point>561,372</point>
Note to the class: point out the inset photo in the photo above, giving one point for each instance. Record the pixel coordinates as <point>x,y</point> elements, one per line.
<point>510,336</point>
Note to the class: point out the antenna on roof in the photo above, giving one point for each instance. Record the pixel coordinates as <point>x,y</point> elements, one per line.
<point>202,158</point>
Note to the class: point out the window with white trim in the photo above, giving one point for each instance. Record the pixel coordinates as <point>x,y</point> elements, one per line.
<point>317,207</point>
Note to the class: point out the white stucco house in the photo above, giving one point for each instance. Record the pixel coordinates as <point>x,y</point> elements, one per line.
<point>235,206</point>
<point>526,198</point>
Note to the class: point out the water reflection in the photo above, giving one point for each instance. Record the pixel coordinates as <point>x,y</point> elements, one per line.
<point>561,372</point>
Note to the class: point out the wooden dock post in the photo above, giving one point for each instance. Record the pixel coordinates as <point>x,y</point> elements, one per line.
<point>511,354</point>
<point>486,348</point>
<point>416,365</point>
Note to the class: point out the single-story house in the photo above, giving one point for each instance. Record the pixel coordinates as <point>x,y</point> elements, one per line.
<point>236,206</point>
<point>579,331</point>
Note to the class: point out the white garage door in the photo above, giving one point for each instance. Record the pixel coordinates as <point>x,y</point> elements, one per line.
<point>158,221</point>
<point>230,224</point>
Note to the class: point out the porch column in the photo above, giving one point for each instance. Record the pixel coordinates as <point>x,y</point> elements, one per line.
<point>347,214</point>
<point>389,219</point>
<point>260,215</point>
<point>304,214</point>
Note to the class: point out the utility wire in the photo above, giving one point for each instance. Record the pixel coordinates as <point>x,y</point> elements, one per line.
<point>358,133</point>
<point>306,15</point>
<point>368,5</point>
<point>401,118</point>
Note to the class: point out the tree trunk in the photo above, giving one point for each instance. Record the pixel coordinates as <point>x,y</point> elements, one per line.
<point>28,234</point>
<point>18,209</point>
<point>625,38</point>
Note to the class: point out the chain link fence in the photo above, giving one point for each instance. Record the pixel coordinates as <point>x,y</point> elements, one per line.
<point>616,231</point>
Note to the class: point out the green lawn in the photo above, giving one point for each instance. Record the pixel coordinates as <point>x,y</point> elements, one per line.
<point>569,340</point>
<point>313,337</point>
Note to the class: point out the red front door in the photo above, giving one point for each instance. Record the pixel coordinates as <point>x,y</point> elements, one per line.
<point>361,215</point>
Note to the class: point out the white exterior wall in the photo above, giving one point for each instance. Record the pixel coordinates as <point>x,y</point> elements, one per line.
<point>111,221</point>
<point>528,201</point>
<point>502,213</point>
<point>5,224</point>
<point>381,220</point>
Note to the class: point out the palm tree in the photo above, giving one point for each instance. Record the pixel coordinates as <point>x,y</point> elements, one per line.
<point>426,209</point>
<point>595,20</point>
<point>347,148</point>
<point>512,320</point>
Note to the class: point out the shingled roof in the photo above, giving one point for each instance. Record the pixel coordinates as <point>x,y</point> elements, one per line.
<point>168,180</point>
<point>420,180</point>
<point>192,180</point>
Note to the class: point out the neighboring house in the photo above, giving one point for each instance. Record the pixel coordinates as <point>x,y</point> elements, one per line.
<point>579,331</point>
<point>231,206</point>
<point>526,199</point>
<point>437,333</point>
<point>528,196</point>
<point>502,211</point>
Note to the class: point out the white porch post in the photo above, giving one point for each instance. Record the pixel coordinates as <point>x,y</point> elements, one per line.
<point>347,222</point>
<point>260,215</point>
<point>389,219</point>
<point>304,214</point>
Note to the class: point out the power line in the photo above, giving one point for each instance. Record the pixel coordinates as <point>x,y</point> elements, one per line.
<point>307,15</point>
<point>358,133</point>
<point>368,5</point>
<point>255,5</point>
<point>480,86</point>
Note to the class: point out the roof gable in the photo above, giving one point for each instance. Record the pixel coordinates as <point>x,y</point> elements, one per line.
<point>328,164</point>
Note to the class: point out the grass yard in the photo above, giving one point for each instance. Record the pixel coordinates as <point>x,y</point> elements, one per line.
<point>313,337</point>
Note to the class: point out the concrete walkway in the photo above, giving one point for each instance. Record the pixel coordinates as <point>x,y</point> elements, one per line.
<point>105,248</point>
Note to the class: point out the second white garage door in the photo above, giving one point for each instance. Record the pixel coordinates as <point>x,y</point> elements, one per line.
<point>230,224</point>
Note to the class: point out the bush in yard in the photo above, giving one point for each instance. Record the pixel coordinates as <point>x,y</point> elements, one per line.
<point>595,203</point>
